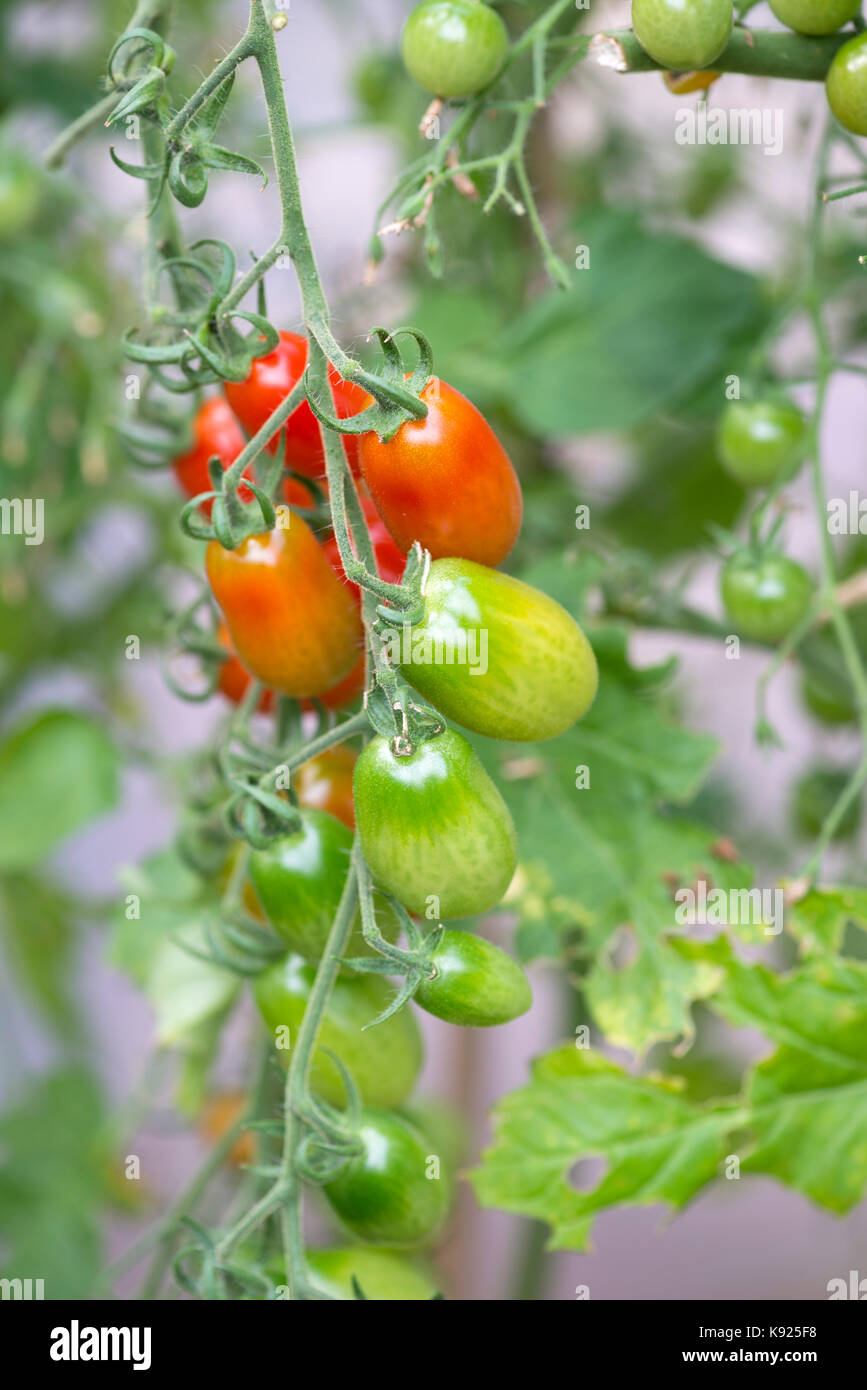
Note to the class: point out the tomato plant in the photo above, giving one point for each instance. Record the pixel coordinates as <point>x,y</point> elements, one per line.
<point>387,1194</point>
<point>384,1062</point>
<point>454,47</point>
<point>293,624</point>
<point>815,16</point>
<point>445,481</point>
<point>473,982</point>
<point>433,826</point>
<point>682,34</point>
<point>765,598</point>
<point>480,654</point>
<point>637,331</point>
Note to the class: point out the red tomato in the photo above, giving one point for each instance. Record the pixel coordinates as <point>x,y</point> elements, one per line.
<point>446,481</point>
<point>293,624</point>
<point>326,783</point>
<point>271,379</point>
<point>215,431</point>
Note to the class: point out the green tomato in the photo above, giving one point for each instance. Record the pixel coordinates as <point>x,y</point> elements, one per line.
<point>761,441</point>
<point>384,1061</point>
<point>453,48</point>
<point>815,16</point>
<point>475,984</point>
<point>498,656</point>
<point>829,699</point>
<point>433,825</point>
<point>299,880</point>
<point>815,796</point>
<point>765,598</point>
<point>846,85</point>
<point>381,1276</point>
<point>683,34</point>
<point>392,1193</point>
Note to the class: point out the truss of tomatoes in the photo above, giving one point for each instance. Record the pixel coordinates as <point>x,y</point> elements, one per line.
<point>432,825</point>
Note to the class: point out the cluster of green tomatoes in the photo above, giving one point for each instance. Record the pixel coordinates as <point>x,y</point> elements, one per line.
<point>688,35</point>
<point>455,48</point>
<point>761,442</point>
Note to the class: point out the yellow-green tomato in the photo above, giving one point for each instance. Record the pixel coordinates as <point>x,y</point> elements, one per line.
<point>846,85</point>
<point>683,34</point>
<point>433,827</point>
<point>497,655</point>
<point>379,1275</point>
<point>383,1061</point>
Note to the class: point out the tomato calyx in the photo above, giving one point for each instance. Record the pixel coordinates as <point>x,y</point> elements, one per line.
<point>415,964</point>
<point>396,394</point>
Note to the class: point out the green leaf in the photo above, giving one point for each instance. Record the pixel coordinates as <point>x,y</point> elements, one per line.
<point>57,772</point>
<point>656,1147</point>
<point>165,908</point>
<point>608,857</point>
<point>39,932</point>
<point>809,1099</point>
<point>642,330</point>
<point>819,920</point>
<point>55,1177</point>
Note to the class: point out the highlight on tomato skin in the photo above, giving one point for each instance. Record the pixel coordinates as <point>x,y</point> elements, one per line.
<point>269,382</point>
<point>445,481</point>
<point>293,624</point>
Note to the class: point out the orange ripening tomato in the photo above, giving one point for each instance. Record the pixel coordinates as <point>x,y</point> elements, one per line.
<point>445,481</point>
<point>269,382</point>
<point>293,624</point>
<point>215,431</point>
<point>219,1115</point>
<point>233,680</point>
<point>326,783</point>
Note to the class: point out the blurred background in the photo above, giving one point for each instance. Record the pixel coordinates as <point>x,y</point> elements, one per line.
<point>605,395</point>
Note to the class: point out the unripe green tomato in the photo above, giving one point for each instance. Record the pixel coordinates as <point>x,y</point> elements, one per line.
<point>453,48</point>
<point>815,796</point>
<point>381,1276</point>
<point>499,656</point>
<point>761,441</point>
<point>433,825</point>
<point>682,34</point>
<point>831,701</point>
<point>475,984</point>
<point>815,16</point>
<point>390,1193</point>
<point>299,881</point>
<point>384,1061</point>
<point>765,598</point>
<point>846,85</point>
